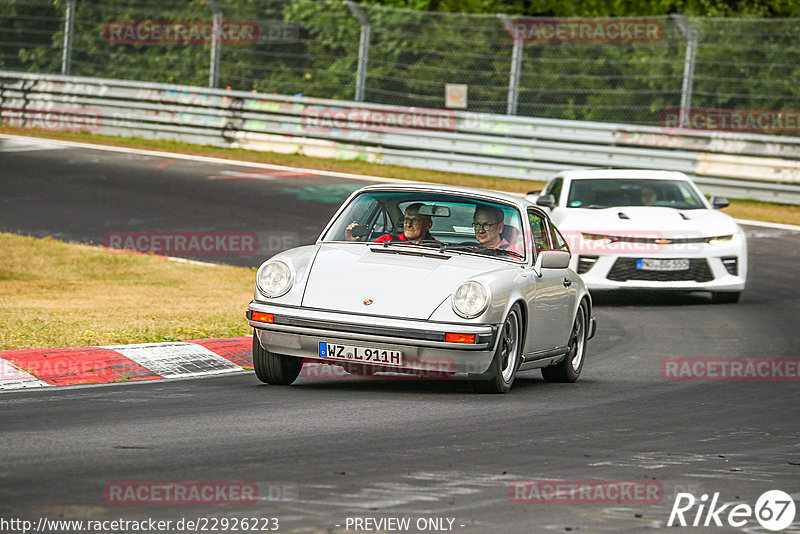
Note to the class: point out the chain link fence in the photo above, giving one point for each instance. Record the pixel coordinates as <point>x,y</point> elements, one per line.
<point>635,71</point>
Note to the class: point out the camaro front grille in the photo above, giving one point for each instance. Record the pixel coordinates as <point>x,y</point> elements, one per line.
<point>625,269</point>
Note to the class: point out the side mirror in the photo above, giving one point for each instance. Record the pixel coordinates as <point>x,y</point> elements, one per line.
<point>719,202</point>
<point>548,201</point>
<point>554,259</point>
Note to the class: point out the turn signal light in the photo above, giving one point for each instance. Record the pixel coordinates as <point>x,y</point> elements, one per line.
<point>262,317</point>
<point>459,338</point>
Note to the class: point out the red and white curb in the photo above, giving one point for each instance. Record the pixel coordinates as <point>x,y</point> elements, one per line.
<point>120,363</point>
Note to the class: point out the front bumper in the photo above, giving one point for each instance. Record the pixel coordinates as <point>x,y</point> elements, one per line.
<point>298,332</point>
<point>708,273</point>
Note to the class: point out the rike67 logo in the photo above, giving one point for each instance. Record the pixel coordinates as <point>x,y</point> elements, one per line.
<point>774,510</point>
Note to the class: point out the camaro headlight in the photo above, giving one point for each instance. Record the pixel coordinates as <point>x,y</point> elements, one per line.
<point>470,299</point>
<point>597,238</point>
<point>729,239</point>
<point>274,279</point>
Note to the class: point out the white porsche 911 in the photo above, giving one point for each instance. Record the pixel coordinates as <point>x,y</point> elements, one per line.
<point>645,229</point>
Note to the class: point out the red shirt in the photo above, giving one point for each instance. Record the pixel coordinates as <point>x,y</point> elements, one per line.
<point>400,237</point>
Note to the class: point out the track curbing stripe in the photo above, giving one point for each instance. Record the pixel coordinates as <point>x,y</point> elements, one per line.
<point>174,360</point>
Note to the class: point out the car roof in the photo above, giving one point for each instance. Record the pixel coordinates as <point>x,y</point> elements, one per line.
<point>452,189</point>
<point>625,174</point>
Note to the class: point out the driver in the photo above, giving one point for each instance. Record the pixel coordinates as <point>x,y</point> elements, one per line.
<point>488,223</point>
<point>415,228</point>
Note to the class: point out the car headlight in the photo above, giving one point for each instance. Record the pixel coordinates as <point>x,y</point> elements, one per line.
<point>274,279</point>
<point>597,239</point>
<point>470,299</point>
<point>725,239</point>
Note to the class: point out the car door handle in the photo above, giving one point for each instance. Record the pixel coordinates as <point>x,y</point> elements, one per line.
<point>567,282</point>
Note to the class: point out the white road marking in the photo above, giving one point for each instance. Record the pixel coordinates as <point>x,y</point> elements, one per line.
<point>12,377</point>
<point>27,145</point>
<point>176,360</point>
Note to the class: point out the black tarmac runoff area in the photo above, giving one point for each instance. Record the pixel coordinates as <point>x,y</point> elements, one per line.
<point>639,443</point>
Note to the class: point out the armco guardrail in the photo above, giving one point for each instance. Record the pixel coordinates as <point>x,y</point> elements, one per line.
<point>738,165</point>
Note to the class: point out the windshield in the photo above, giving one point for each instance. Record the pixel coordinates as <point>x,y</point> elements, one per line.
<point>441,222</point>
<point>606,193</point>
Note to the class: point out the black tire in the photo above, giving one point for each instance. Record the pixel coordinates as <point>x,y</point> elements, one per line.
<point>725,297</point>
<point>507,357</point>
<point>569,369</point>
<point>274,369</point>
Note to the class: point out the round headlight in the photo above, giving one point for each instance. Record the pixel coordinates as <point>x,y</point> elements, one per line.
<point>274,279</point>
<point>470,299</point>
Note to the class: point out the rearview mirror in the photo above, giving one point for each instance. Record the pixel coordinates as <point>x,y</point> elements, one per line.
<point>432,210</point>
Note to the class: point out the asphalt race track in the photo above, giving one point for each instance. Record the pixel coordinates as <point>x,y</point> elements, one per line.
<point>333,454</point>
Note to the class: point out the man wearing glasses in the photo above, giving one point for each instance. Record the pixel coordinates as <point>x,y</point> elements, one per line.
<point>488,224</point>
<point>415,228</point>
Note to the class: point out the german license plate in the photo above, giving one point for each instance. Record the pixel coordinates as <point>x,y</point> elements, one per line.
<point>355,354</point>
<point>666,264</point>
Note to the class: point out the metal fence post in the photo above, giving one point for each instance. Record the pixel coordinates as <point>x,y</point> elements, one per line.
<point>516,68</point>
<point>688,69</point>
<point>69,25</point>
<point>213,75</point>
<point>363,49</point>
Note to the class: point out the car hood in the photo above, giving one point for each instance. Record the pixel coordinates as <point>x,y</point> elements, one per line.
<point>646,221</point>
<point>396,283</point>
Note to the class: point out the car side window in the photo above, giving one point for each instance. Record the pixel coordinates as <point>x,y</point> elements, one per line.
<point>554,188</point>
<point>538,231</point>
<point>559,243</point>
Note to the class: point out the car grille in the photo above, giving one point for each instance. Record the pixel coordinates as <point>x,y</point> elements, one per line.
<point>625,269</point>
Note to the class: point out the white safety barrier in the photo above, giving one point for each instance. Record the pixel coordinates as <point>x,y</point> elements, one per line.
<point>739,165</point>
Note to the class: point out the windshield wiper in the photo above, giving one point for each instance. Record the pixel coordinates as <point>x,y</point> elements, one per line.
<point>460,247</point>
<point>499,251</point>
<point>480,249</point>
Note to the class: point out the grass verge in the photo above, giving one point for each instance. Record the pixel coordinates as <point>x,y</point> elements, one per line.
<point>743,209</point>
<point>56,294</point>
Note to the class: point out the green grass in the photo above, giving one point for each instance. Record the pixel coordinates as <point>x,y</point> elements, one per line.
<point>56,294</point>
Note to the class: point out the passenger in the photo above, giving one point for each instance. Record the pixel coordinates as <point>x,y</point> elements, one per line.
<point>416,228</point>
<point>488,223</point>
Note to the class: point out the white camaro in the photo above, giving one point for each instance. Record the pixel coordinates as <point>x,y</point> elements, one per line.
<point>644,229</point>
